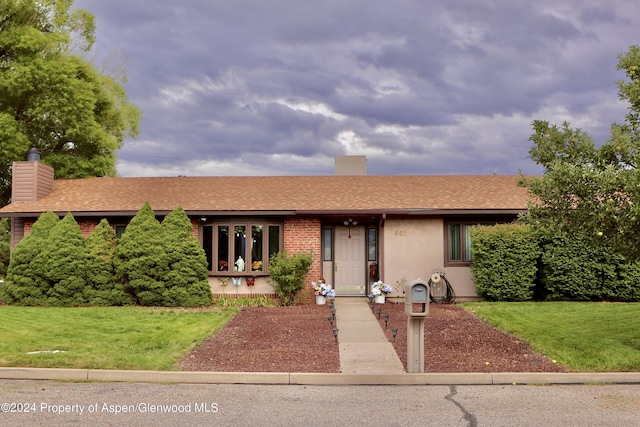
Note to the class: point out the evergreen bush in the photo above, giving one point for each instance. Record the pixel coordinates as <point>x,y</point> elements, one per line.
<point>101,288</point>
<point>505,260</point>
<point>141,262</point>
<point>5,245</point>
<point>187,279</point>
<point>288,273</point>
<point>26,281</point>
<point>63,257</point>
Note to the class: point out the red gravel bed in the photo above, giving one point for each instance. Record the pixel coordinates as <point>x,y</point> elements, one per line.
<point>300,339</point>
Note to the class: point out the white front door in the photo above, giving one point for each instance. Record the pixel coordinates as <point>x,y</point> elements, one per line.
<point>349,263</point>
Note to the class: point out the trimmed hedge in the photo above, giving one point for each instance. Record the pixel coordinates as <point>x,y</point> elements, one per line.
<point>572,269</point>
<point>504,261</point>
<point>515,263</point>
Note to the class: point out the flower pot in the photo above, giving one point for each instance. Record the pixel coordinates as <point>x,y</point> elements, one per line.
<point>379,299</point>
<point>320,300</point>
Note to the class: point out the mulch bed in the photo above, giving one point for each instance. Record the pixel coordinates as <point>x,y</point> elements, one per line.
<point>300,339</point>
<point>458,341</point>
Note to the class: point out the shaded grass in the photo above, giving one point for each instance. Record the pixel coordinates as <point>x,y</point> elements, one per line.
<point>582,336</point>
<point>105,337</point>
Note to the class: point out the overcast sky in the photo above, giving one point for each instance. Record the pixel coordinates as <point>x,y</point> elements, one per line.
<point>275,87</point>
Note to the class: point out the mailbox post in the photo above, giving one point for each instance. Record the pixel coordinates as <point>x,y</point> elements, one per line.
<point>416,306</point>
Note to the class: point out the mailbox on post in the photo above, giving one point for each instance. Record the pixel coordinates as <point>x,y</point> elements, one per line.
<point>416,302</point>
<point>416,306</point>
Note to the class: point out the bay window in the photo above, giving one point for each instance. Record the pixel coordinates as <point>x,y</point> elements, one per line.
<point>241,248</point>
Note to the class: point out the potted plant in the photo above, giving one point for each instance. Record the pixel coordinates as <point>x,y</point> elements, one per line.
<point>380,290</point>
<point>322,291</point>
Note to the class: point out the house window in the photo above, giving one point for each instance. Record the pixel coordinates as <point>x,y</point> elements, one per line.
<point>235,248</point>
<point>120,229</point>
<point>458,243</point>
<point>372,244</point>
<point>458,239</point>
<point>327,254</point>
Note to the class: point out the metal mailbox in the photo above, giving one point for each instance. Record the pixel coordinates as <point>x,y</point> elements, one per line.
<point>416,302</point>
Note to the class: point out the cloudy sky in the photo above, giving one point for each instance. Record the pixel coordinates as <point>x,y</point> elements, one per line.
<point>281,87</point>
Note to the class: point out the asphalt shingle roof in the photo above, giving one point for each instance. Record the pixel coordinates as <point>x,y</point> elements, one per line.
<point>281,193</point>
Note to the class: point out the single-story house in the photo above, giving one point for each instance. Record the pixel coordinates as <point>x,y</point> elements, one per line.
<point>360,228</point>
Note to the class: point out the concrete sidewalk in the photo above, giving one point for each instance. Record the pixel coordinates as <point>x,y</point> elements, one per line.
<point>364,348</point>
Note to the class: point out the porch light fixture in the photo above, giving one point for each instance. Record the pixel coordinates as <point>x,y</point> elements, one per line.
<point>349,222</point>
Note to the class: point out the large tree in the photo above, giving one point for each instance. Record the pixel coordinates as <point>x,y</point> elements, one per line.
<point>588,190</point>
<point>52,97</point>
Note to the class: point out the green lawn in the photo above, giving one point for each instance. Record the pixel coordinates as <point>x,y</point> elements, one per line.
<point>580,336</point>
<point>104,337</point>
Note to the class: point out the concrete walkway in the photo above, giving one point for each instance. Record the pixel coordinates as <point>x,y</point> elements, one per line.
<point>364,348</point>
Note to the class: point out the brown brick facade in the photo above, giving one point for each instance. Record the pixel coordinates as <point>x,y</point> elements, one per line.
<point>302,235</point>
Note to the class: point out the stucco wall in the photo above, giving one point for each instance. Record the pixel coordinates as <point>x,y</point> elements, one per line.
<point>413,248</point>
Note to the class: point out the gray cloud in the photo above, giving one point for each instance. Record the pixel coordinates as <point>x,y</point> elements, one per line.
<point>281,87</point>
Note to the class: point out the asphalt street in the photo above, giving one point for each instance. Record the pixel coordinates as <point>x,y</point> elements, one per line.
<point>54,403</point>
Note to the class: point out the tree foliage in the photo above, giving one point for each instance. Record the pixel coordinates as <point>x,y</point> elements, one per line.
<point>54,99</point>
<point>590,191</point>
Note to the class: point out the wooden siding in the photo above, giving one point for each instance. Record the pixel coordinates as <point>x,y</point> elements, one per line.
<point>31,181</point>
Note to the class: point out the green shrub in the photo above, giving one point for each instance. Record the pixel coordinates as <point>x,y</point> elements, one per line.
<point>627,287</point>
<point>101,288</point>
<point>140,261</point>
<point>63,257</point>
<point>288,273</point>
<point>5,245</point>
<point>504,261</point>
<point>26,281</point>
<point>187,279</point>
<point>573,269</point>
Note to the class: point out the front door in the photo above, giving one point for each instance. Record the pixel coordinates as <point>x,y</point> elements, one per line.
<point>349,263</point>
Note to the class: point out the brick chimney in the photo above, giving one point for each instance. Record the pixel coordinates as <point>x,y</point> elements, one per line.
<point>31,180</point>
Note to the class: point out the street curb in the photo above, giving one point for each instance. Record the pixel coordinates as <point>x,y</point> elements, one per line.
<point>301,378</point>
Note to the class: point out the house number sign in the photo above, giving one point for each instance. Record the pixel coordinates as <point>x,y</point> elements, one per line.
<point>400,233</point>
